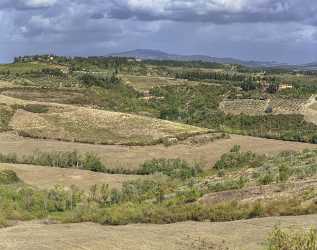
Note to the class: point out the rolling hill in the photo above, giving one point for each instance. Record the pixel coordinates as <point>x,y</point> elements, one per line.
<point>147,54</point>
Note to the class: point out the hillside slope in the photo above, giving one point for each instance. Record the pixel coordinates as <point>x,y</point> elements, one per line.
<point>79,124</point>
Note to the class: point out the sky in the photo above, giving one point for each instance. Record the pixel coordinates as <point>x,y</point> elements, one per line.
<point>266,30</point>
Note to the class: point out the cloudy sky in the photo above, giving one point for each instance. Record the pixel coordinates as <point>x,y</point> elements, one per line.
<point>281,30</point>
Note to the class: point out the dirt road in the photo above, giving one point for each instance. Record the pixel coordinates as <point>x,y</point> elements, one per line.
<point>310,110</point>
<point>247,235</point>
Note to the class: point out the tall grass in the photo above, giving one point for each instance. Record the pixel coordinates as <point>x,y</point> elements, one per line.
<point>286,240</point>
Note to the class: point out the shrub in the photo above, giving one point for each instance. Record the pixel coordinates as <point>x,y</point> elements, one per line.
<point>8,177</point>
<point>36,108</point>
<point>236,159</point>
<point>286,240</point>
<point>171,167</point>
<point>10,158</point>
<point>266,178</point>
<point>100,81</point>
<point>5,117</point>
<point>92,162</point>
<point>54,159</point>
<point>284,173</point>
<point>227,185</point>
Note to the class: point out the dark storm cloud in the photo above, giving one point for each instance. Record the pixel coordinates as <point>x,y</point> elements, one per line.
<point>89,26</point>
<point>217,11</point>
<point>27,4</point>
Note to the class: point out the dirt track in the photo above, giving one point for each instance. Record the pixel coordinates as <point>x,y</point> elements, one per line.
<point>131,157</point>
<point>247,235</point>
<point>310,112</point>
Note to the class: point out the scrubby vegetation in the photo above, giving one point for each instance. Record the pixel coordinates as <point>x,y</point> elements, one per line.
<point>100,81</point>
<point>266,170</point>
<point>8,177</point>
<point>35,108</point>
<point>171,195</point>
<point>288,240</point>
<point>174,168</point>
<point>6,114</point>
<point>236,159</point>
<point>285,127</point>
<point>137,202</point>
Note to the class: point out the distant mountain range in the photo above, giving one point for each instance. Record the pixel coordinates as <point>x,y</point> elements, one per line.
<point>311,66</point>
<point>147,54</point>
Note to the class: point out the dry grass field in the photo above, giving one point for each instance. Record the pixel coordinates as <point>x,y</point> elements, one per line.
<point>66,96</point>
<point>99,127</point>
<point>48,177</point>
<point>130,157</point>
<point>237,235</point>
<point>71,123</point>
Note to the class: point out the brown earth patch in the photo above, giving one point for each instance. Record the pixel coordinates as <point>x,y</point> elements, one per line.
<point>48,177</point>
<point>238,235</point>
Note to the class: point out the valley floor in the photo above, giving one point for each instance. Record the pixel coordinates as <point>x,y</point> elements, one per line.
<point>246,235</point>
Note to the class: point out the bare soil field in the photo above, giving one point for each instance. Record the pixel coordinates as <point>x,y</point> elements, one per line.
<point>130,157</point>
<point>48,177</point>
<point>238,235</point>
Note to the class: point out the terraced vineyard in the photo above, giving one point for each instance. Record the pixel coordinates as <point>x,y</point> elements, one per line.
<point>260,107</point>
<point>287,106</point>
<point>244,106</point>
